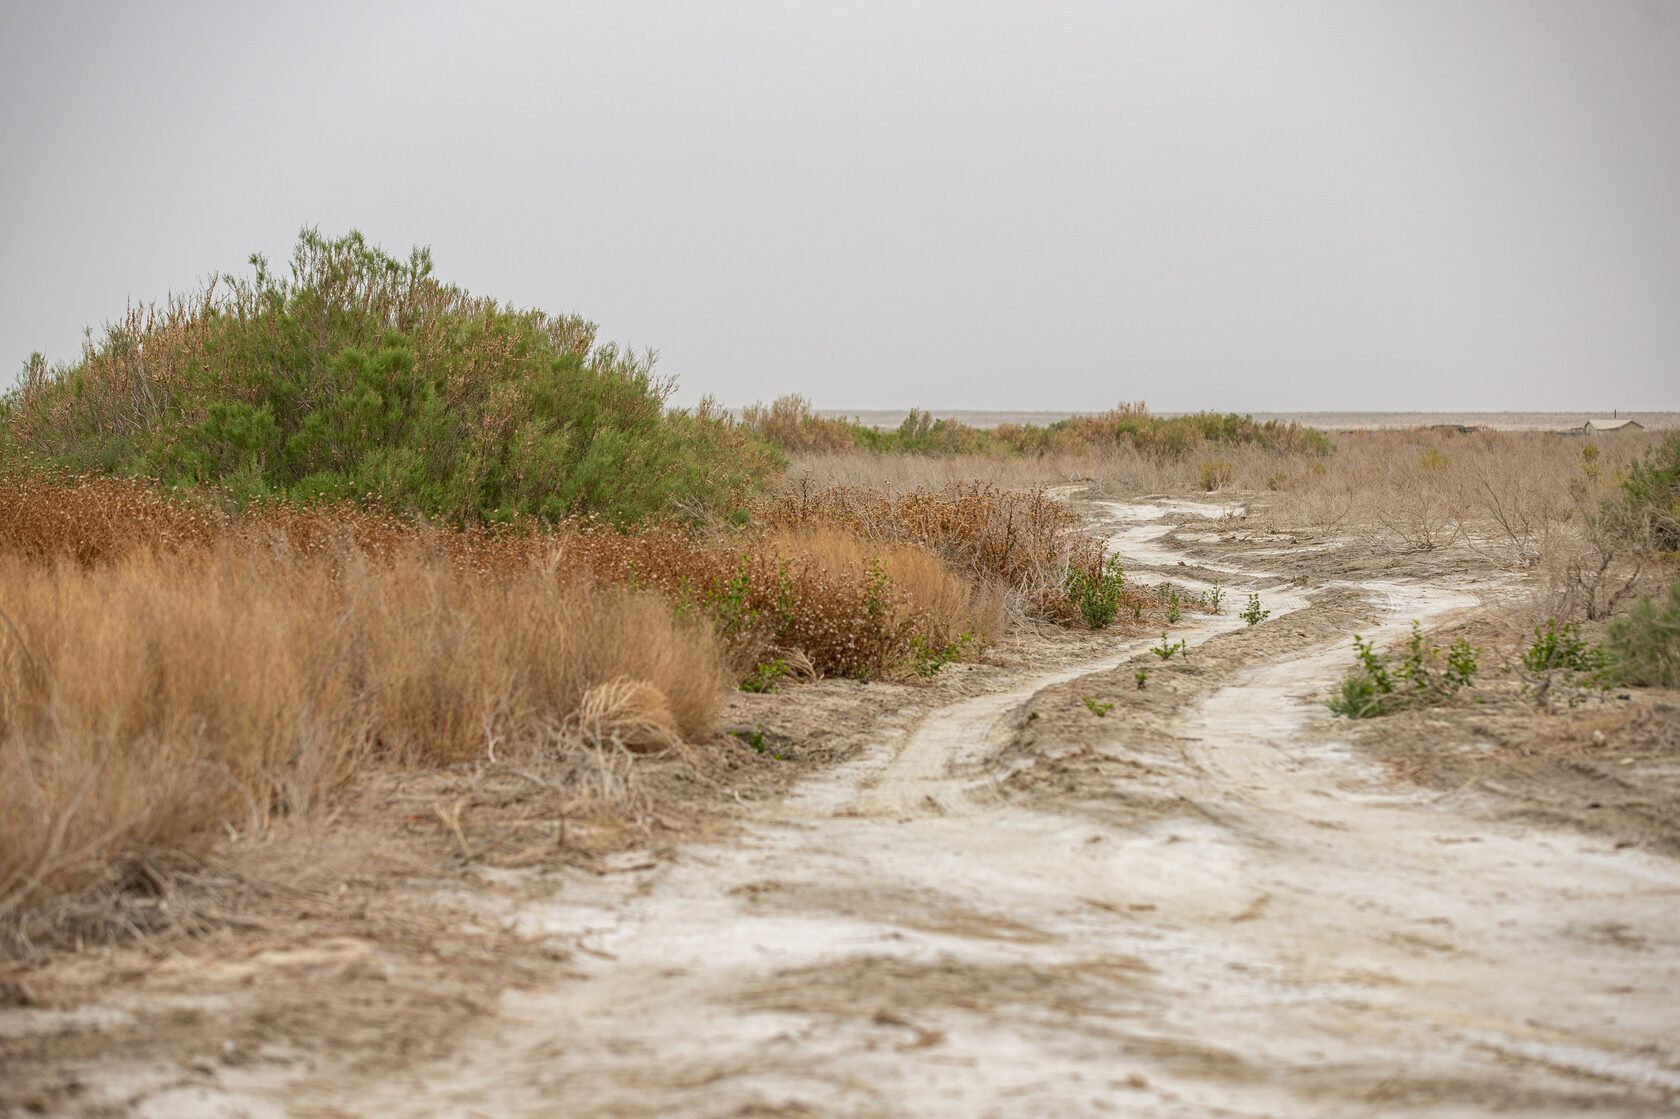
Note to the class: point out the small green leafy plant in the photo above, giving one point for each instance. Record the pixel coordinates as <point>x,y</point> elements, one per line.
<point>1214,597</point>
<point>1252,614</point>
<point>1098,595</point>
<point>1560,663</point>
<point>755,739</point>
<point>763,677</point>
<point>1100,710</point>
<point>929,658</point>
<point>1141,676</point>
<point>1166,649</point>
<point>1418,674</point>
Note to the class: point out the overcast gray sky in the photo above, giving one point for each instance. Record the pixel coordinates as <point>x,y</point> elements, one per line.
<point>1267,206</point>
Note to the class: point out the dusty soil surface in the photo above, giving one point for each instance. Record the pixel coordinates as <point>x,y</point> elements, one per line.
<point>1035,888</point>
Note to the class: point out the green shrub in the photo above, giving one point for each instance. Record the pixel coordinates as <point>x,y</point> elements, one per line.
<point>1561,647</point>
<point>362,376</point>
<point>1643,645</point>
<point>1418,674</point>
<point>791,424</point>
<point>1097,595</point>
<point>1651,493</point>
<point>1560,663</point>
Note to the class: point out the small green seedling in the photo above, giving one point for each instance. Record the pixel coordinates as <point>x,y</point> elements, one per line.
<point>763,677</point>
<point>1140,676</point>
<point>930,658</point>
<point>1252,614</point>
<point>1166,649</point>
<point>1100,710</point>
<point>755,739</point>
<point>1215,598</point>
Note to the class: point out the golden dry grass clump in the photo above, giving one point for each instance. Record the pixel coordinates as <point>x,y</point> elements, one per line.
<point>149,703</point>
<point>1025,540</point>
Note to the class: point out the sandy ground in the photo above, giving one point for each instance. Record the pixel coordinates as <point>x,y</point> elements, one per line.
<point>991,900</point>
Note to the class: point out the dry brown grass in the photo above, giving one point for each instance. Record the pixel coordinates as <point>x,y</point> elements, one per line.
<point>170,674</point>
<point>1407,482</point>
<point>1025,539</point>
<point>953,604</point>
<point>151,703</point>
<point>1525,501</point>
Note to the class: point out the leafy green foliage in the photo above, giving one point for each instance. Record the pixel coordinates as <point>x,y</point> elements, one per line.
<point>793,425</point>
<point>1561,647</point>
<point>755,739</point>
<point>1643,645</point>
<point>1252,613</point>
<point>928,658</point>
<point>1214,598</point>
<point>1418,674</point>
<point>1141,676</point>
<point>1100,710</point>
<point>1560,663</point>
<point>1166,649</point>
<point>1651,493</point>
<point>763,677</point>
<point>361,376</point>
<point>1097,595</point>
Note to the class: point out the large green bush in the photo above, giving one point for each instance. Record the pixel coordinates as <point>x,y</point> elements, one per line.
<point>362,376</point>
<point>1643,645</point>
<point>1651,493</point>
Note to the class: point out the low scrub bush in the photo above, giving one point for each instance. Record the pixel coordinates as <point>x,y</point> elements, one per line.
<point>1560,663</point>
<point>1420,673</point>
<point>1167,648</point>
<point>1216,474</point>
<point>790,424</point>
<point>1097,595</point>
<point>1651,494</point>
<point>1643,646</point>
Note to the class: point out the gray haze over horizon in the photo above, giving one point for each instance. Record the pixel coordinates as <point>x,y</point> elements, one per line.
<point>1242,206</point>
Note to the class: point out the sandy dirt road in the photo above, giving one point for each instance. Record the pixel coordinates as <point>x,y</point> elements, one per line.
<point>916,933</point>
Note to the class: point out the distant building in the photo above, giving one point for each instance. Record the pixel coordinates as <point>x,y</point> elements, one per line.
<point>1604,427</point>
